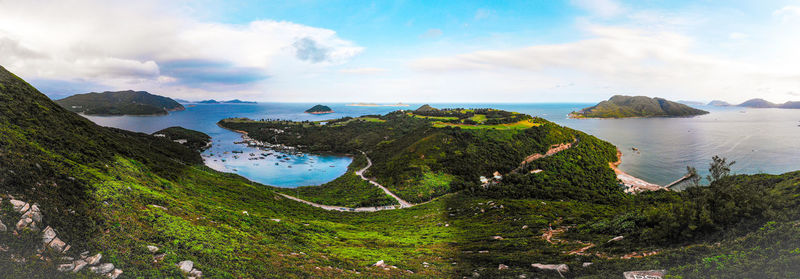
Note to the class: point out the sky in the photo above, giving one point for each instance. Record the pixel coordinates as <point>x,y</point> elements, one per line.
<point>407,51</point>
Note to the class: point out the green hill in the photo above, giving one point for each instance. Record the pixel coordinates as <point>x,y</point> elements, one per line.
<point>120,103</point>
<point>620,106</point>
<point>194,140</point>
<point>115,192</point>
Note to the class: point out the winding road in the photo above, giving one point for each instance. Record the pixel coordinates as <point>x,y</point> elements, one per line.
<point>360,173</point>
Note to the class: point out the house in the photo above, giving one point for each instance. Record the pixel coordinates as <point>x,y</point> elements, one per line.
<point>160,135</point>
<point>497,175</point>
<point>484,180</point>
<point>181,141</point>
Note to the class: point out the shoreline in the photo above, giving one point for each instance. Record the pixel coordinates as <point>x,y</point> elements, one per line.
<point>632,184</point>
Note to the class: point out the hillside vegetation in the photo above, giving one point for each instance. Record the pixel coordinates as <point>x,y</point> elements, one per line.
<point>195,140</point>
<point>116,192</point>
<point>120,103</point>
<point>620,106</point>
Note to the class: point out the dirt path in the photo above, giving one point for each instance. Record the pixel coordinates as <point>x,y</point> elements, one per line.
<point>360,173</point>
<point>340,208</point>
<point>550,152</point>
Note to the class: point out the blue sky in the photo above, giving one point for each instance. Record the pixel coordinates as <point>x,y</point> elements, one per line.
<point>409,51</point>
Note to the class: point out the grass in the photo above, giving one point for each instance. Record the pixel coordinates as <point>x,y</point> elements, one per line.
<point>524,124</point>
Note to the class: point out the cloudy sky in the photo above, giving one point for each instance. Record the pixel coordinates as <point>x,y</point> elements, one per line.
<point>409,51</point>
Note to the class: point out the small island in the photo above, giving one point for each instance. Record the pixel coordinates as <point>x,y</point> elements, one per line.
<point>120,103</point>
<point>319,109</point>
<point>637,106</point>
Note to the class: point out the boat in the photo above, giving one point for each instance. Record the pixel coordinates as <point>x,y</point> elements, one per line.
<point>276,164</point>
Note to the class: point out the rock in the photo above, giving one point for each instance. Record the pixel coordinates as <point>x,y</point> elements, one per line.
<point>586,264</point>
<point>618,238</point>
<point>379,264</point>
<point>2,226</point>
<point>645,274</point>
<point>48,235</point>
<point>522,276</point>
<point>93,260</point>
<point>84,254</point>
<point>560,268</point>
<point>79,265</point>
<point>276,220</point>
<point>57,245</point>
<point>23,223</point>
<point>66,267</point>
<point>114,274</point>
<point>152,248</point>
<point>67,259</point>
<point>483,252</point>
<point>502,267</point>
<point>186,266</point>
<point>159,257</point>
<point>497,237</point>
<point>159,207</point>
<point>34,214</point>
<point>196,273</point>
<point>103,268</point>
<point>19,205</point>
<point>524,227</point>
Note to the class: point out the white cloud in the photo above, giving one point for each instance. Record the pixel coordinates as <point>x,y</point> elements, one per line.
<point>602,8</point>
<point>432,33</point>
<point>787,12</point>
<point>363,70</point>
<point>154,45</point>
<point>484,14</point>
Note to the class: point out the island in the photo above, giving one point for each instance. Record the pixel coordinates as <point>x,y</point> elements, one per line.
<point>761,103</point>
<point>197,141</point>
<point>319,109</point>
<point>120,103</point>
<point>620,106</point>
<point>234,101</point>
<point>376,105</point>
<point>718,103</point>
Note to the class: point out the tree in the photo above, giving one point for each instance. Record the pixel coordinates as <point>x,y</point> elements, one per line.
<point>694,178</point>
<point>719,168</point>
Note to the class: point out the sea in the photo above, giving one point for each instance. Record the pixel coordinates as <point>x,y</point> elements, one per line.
<point>657,150</point>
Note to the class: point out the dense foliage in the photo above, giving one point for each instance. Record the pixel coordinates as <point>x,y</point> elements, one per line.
<point>195,140</point>
<point>620,106</point>
<point>120,103</point>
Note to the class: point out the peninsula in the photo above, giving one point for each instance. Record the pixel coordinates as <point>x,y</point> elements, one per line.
<point>120,103</point>
<point>319,109</point>
<point>620,106</point>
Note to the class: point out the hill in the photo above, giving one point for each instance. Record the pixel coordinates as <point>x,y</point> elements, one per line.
<point>234,101</point>
<point>719,103</point>
<point>120,103</point>
<point>145,204</point>
<point>192,139</point>
<point>620,106</point>
<point>425,108</point>
<point>757,103</point>
<point>319,109</point>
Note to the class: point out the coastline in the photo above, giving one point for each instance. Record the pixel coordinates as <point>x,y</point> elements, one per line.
<point>632,184</point>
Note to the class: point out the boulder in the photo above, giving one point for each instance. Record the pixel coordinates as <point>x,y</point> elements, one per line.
<point>587,264</point>
<point>93,260</point>
<point>645,274</point>
<point>48,235</point>
<point>114,274</point>
<point>186,266</point>
<point>560,268</point>
<point>2,226</point>
<point>79,265</point>
<point>618,238</point>
<point>380,264</point>
<point>23,223</point>
<point>34,214</point>
<point>57,244</point>
<point>497,237</point>
<point>196,272</point>
<point>66,267</point>
<point>103,268</point>
<point>502,267</point>
<point>152,248</point>
<point>19,205</point>
<point>159,257</point>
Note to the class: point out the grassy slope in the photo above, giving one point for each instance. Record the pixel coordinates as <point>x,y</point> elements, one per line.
<point>348,190</point>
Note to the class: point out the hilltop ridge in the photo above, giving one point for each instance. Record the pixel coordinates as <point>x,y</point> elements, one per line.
<point>620,106</point>
<point>120,103</point>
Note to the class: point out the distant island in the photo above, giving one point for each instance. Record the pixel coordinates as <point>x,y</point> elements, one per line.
<point>120,103</point>
<point>757,103</point>
<point>718,103</point>
<point>234,101</point>
<point>636,106</point>
<point>376,105</point>
<point>319,109</point>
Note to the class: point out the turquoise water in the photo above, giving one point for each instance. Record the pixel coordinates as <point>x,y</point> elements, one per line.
<point>760,140</point>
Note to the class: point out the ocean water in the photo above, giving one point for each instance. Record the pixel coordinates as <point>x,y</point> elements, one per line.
<point>759,140</point>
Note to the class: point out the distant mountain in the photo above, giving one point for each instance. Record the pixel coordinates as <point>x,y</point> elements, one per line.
<point>234,101</point>
<point>637,106</point>
<point>719,103</point>
<point>691,103</point>
<point>791,105</point>
<point>319,109</point>
<point>426,108</point>
<point>758,103</point>
<point>182,101</point>
<point>120,103</point>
